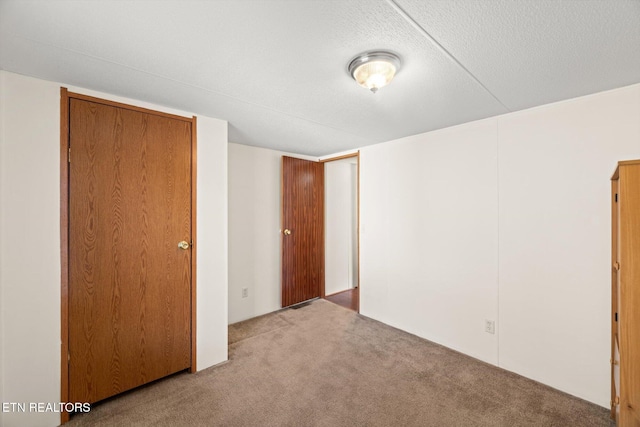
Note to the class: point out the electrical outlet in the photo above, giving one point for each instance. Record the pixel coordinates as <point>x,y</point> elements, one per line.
<point>245,292</point>
<point>490,326</point>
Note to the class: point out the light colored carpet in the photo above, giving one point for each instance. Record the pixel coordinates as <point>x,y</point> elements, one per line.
<point>323,365</point>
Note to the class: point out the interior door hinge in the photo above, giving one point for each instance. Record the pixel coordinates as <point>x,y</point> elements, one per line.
<point>68,357</point>
<point>616,197</point>
<point>69,155</point>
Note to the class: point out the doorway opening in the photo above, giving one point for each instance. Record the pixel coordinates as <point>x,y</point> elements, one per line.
<point>342,216</point>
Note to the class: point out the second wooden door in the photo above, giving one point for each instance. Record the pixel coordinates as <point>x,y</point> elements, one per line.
<point>302,230</point>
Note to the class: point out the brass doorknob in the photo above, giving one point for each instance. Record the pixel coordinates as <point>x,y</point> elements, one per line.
<point>287,231</point>
<point>184,245</point>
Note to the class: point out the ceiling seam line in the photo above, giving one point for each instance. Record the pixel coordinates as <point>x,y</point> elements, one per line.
<point>97,58</point>
<point>442,49</point>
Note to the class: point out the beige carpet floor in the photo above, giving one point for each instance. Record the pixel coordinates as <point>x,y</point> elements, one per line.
<point>323,365</point>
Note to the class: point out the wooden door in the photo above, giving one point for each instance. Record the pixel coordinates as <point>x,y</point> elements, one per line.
<point>302,230</point>
<point>129,283</point>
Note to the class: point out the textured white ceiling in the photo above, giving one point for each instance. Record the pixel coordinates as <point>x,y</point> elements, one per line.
<point>276,69</point>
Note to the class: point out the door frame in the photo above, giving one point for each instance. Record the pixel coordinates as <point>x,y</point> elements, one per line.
<point>65,97</point>
<point>333,159</point>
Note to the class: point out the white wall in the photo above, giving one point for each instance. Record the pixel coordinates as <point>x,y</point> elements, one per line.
<point>339,208</point>
<point>429,241</point>
<point>30,245</point>
<point>506,219</point>
<point>212,243</point>
<point>30,242</point>
<point>254,230</point>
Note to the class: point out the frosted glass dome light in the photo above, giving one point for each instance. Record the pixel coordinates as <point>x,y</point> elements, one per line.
<point>374,70</point>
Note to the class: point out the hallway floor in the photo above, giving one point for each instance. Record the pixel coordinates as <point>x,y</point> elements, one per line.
<point>348,299</point>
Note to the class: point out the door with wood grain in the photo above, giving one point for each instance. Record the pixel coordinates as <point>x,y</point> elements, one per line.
<point>129,281</point>
<point>302,230</point>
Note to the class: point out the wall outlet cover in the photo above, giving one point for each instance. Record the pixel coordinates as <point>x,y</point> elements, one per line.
<point>490,326</point>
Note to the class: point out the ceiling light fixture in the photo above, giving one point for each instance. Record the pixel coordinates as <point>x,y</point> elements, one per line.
<point>374,69</point>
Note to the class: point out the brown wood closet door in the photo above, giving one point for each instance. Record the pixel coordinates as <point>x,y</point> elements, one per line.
<point>302,230</point>
<point>129,282</point>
